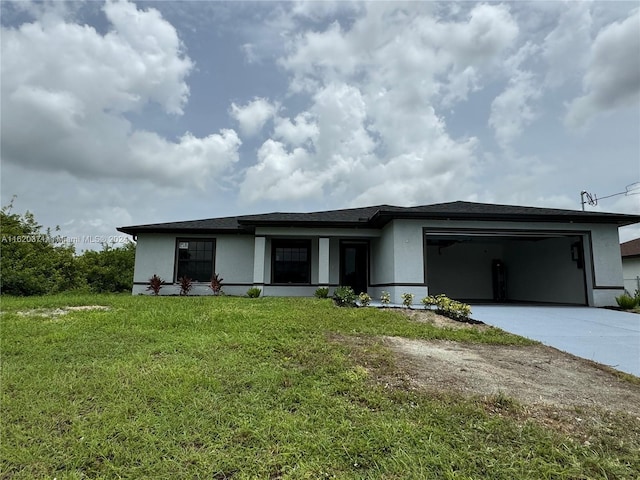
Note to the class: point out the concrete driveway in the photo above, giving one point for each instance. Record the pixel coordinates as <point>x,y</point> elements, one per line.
<point>604,336</point>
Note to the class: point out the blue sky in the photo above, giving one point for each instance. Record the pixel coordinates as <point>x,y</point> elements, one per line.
<point>124,113</point>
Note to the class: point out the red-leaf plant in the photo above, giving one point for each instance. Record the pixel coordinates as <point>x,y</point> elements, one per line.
<point>155,284</point>
<point>185,285</point>
<point>216,284</point>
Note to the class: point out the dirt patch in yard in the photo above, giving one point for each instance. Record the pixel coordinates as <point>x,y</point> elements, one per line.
<point>533,382</point>
<point>533,374</point>
<point>57,312</point>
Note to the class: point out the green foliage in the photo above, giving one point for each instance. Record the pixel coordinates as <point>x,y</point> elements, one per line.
<point>155,284</point>
<point>216,284</point>
<point>364,299</point>
<point>407,299</point>
<point>344,297</point>
<point>385,298</point>
<point>32,263</point>
<point>448,307</point>
<point>109,270</point>
<point>254,292</point>
<point>322,292</point>
<point>626,301</point>
<point>186,284</point>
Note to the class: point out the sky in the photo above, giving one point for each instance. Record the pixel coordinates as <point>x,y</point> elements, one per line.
<point>125,113</point>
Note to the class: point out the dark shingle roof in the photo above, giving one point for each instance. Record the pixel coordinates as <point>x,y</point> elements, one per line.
<point>378,216</point>
<point>630,248</point>
<point>209,225</point>
<point>346,217</point>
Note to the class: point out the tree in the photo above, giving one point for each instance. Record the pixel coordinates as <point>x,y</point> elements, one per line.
<point>109,270</point>
<point>31,262</point>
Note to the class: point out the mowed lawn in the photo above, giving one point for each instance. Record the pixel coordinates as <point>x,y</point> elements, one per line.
<point>188,387</point>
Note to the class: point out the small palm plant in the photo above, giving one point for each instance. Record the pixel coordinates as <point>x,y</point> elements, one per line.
<point>216,284</point>
<point>186,284</point>
<point>155,284</point>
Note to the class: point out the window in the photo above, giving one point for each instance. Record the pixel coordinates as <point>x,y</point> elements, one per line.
<point>291,261</point>
<point>195,259</point>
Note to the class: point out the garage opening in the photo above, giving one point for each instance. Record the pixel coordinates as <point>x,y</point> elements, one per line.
<point>503,268</point>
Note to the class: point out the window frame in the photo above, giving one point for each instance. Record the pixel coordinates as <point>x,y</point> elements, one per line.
<point>176,266</point>
<point>291,243</point>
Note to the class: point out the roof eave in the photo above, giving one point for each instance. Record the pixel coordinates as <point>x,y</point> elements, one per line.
<point>382,217</point>
<point>187,231</point>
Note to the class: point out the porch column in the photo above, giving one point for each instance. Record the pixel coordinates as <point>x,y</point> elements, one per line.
<point>258,261</point>
<point>323,262</point>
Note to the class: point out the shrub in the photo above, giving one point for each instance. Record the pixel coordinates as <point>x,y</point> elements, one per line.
<point>322,292</point>
<point>385,298</point>
<point>448,307</point>
<point>32,262</point>
<point>108,270</point>
<point>186,284</point>
<point>626,301</point>
<point>254,292</point>
<point>407,299</point>
<point>364,299</point>
<point>344,297</point>
<point>216,284</point>
<point>429,301</point>
<point>155,284</point>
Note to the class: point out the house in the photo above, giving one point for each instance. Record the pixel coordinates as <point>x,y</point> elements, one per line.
<point>473,252</point>
<point>630,252</point>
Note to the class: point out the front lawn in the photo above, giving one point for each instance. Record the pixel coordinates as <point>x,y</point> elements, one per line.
<point>204,387</point>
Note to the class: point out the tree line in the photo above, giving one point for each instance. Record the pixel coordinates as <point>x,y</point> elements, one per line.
<point>33,262</point>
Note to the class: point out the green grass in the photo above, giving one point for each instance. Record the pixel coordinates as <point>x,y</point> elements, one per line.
<point>192,387</point>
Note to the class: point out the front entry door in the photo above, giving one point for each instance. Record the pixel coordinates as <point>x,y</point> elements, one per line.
<point>354,260</point>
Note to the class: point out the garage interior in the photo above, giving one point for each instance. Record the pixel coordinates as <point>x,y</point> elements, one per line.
<point>507,268</point>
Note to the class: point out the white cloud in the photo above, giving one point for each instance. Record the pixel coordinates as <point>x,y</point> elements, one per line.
<point>281,175</point>
<point>297,132</point>
<point>372,131</point>
<point>566,47</point>
<point>194,158</point>
<point>382,102</point>
<point>612,80</point>
<point>323,148</point>
<point>66,89</point>
<point>511,111</point>
<point>489,31</point>
<point>253,116</point>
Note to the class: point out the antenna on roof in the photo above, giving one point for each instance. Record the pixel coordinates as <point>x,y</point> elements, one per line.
<point>631,189</point>
<point>590,199</point>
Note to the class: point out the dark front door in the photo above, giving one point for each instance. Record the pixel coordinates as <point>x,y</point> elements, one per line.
<point>354,259</point>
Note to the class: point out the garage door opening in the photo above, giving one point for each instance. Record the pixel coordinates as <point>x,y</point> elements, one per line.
<point>486,267</point>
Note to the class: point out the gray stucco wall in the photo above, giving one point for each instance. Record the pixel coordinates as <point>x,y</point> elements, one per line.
<point>631,272</point>
<point>234,259</point>
<point>382,258</point>
<point>156,253</point>
<point>607,262</point>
